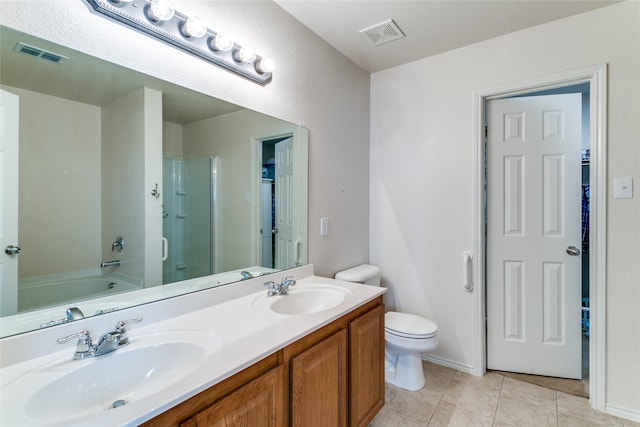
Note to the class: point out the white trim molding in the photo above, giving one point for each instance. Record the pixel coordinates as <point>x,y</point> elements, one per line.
<point>596,76</point>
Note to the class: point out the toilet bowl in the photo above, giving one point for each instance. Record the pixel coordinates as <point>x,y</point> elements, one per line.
<point>407,336</point>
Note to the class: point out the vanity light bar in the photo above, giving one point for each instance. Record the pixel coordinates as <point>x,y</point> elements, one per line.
<point>142,15</point>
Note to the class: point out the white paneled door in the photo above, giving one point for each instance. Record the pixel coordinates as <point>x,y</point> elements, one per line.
<point>534,235</point>
<point>9,124</point>
<point>285,250</point>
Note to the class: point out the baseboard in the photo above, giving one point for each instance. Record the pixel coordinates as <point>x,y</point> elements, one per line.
<point>449,364</point>
<point>622,412</point>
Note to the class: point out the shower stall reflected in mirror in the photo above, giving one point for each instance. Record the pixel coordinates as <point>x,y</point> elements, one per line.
<point>188,214</point>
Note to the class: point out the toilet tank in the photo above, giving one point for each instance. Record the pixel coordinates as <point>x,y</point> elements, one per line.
<point>364,273</point>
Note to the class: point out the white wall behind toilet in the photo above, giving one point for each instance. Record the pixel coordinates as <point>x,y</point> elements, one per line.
<point>422,175</point>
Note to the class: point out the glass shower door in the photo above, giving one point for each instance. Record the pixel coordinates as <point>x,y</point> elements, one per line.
<point>188,218</point>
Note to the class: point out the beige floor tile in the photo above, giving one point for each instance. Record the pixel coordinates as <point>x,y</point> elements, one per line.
<point>565,420</point>
<point>491,380</point>
<point>452,398</point>
<point>523,413</point>
<point>417,406</point>
<point>388,418</point>
<point>437,378</point>
<point>578,407</point>
<point>450,415</point>
<point>529,392</point>
<point>473,398</point>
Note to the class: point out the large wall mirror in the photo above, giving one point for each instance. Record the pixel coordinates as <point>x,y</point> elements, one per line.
<point>120,189</point>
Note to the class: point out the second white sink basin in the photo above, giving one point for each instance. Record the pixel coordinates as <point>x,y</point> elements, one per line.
<point>306,299</point>
<point>68,391</point>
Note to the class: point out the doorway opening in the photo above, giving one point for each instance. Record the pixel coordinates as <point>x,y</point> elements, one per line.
<point>577,386</point>
<point>593,78</point>
<point>268,196</point>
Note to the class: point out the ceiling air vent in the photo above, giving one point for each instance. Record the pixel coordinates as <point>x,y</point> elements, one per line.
<point>383,32</point>
<point>40,53</point>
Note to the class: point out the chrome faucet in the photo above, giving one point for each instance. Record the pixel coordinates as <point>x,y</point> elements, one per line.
<point>106,344</point>
<point>274,288</point>
<point>74,313</point>
<point>114,263</point>
<point>118,244</point>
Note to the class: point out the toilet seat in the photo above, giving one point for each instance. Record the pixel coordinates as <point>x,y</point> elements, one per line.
<point>409,326</point>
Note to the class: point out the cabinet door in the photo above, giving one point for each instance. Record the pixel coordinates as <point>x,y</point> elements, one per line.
<point>257,404</point>
<point>366,335</point>
<point>319,384</point>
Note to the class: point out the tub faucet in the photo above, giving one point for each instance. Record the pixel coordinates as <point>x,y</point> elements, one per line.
<point>106,344</point>
<point>114,263</point>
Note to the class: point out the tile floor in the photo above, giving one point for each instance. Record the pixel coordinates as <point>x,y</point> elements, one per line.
<point>454,398</point>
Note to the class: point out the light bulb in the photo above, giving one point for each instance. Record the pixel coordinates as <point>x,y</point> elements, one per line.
<point>194,27</point>
<point>221,42</point>
<point>246,54</point>
<point>266,65</point>
<point>161,10</point>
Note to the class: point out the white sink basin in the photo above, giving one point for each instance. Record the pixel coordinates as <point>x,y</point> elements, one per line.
<point>67,391</point>
<point>306,299</point>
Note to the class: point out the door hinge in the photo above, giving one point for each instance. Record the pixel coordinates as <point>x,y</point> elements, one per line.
<point>486,131</point>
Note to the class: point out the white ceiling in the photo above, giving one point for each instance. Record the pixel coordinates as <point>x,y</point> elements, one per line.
<point>431,27</point>
<point>81,79</point>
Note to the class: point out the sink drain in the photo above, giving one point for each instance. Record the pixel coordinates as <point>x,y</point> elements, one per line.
<point>118,403</point>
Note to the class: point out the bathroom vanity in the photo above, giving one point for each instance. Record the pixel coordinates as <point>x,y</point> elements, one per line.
<point>332,377</point>
<point>314,357</point>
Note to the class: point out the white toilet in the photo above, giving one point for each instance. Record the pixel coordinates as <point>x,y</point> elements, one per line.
<point>407,336</point>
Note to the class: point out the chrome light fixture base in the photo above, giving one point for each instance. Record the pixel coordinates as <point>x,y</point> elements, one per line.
<point>136,14</point>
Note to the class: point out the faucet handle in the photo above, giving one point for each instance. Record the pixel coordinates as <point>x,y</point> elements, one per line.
<point>123,339</point>
<point>272,288</point>
<point>288,281</point>
<point>120,324</point>
<point>84,344</point>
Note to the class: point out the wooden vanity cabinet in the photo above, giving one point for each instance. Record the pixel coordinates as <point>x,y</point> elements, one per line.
<point>330,385</point>
<point>187,412</point>
<point>366,366</point>
<point>257,404</point>
<point>318,381</point>
<point>332,377</point>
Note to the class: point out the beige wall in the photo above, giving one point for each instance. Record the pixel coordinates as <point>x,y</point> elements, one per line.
<point>422,135</point>
<point>171,139</point>
<point>229,137</point>
<point>131,165</point>
<point>59,176</point>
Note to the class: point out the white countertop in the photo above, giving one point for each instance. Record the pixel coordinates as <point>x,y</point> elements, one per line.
<point>241,333</point>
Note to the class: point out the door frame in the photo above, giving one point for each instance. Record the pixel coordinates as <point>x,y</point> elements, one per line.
<point>596,76</point>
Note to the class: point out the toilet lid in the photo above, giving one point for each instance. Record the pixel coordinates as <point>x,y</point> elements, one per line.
<point>409,325</point>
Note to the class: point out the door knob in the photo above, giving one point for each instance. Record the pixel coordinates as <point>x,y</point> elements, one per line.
<point>12,250</point>
<point>573,251</point>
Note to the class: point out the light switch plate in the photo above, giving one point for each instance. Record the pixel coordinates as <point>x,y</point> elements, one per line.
<point>623,187</point>
<point>324,227</point>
